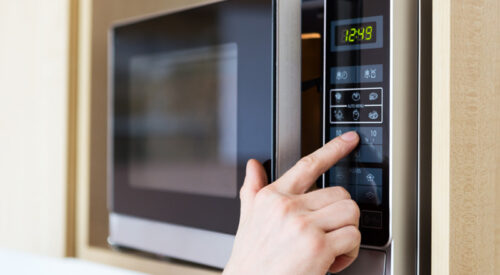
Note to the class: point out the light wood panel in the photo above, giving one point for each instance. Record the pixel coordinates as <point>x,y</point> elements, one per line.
<point>497,161</point>
<point>34,58</point>
<point>466,136</point>
<point>441,138</point>
<point>95,18</point>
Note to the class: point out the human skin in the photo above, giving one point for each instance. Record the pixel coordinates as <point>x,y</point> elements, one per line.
<point>283,230</point>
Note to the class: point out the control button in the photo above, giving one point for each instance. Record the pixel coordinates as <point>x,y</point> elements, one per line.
<point>340,177</point>
<point>356,96</point>
<point>338,114</point>
<point>343,75</point>
<point>371,135</point>
<point>371,219</point>
<point>355,115</point>
<point>369,194</point>
<point>357,74</point>
<point>371,73</point>
<point>368,135</point>
<point>338,98</point>
<point>373,96</point>
<point>356,105</point>
<point>371,114</point>
<point>369,177</point>
<point>367,154</point>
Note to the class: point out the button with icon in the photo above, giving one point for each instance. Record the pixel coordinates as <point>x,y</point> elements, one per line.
<point>367,154</point>
<point>337,114</point>
<point>372,114</point>
<point>369,195</point>
<point>338,98</point>
<point>369,177</point>
<point>371,73</point>
<point>356,105</point>
<point>372,97</point>
<point>371,219</point>
<point>355,115</point>
<point>368,135</point>
<point>356,96</point>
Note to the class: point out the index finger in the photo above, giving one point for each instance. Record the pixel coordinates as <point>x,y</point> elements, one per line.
<point>300,177</point>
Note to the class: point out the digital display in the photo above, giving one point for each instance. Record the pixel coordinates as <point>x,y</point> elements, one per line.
<point>356,34</point>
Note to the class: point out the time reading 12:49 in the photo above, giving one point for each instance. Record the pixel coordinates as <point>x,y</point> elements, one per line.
<point>356,33</point>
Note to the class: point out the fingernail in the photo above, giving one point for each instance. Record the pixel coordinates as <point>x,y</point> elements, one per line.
<point>350,136</point>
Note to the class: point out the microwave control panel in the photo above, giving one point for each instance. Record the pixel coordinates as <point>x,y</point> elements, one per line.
<point>357,75</point>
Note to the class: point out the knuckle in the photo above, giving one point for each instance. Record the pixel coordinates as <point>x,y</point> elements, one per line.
<point>284,205</point>
<point>300,224</point>
<point>266,197</point>
<point>243,191</point>
<point>341,192</point>
<point>354,234</point>
<point>352,208</point>
<point>264,194</point>
<point>317,244</point>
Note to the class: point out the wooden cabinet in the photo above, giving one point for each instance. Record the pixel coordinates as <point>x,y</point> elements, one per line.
<point>466,137</point>
<point>34,66</point>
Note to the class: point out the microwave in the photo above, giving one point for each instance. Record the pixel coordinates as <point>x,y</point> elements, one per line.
<point>195,93</point>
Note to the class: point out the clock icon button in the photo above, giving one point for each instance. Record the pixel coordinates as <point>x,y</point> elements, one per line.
<point>356,96</point>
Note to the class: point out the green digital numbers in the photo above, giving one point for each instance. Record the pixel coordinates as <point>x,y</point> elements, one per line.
<point>361,34</point>
<point>369,31</point>
<point>353,34</point>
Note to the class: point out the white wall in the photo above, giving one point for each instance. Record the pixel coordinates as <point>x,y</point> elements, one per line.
<point>33,115</point>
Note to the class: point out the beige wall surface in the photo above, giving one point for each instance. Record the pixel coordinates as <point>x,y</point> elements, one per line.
<point>33,116</point>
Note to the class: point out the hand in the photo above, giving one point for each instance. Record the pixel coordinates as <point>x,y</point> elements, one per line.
<point>284,231</point>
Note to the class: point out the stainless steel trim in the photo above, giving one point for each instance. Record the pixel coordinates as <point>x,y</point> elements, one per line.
<point>135,19</point>
<point>288,77</point>
<point>323,184</point>
<point>186,243</point>
<point>371,262</point>
<point>110,126</point>
<point>391,125</point>
<point>419,133</point>
<point>388,264</point>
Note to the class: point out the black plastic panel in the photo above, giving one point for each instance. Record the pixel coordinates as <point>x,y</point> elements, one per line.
<point>357,93</point>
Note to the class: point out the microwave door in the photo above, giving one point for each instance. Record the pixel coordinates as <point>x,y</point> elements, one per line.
<point>194,95</point>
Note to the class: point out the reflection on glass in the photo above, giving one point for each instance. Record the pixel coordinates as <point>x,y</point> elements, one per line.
<point>183,121</point>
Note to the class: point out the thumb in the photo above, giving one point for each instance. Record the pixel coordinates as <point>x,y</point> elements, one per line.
<point>255,180</point>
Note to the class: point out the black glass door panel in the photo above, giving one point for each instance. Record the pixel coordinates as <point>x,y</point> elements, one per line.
<point>192,101</point>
